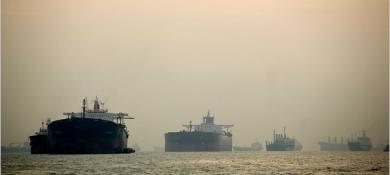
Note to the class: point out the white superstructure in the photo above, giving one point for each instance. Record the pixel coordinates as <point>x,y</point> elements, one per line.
<point>98,113</point>
<point>208,125</point>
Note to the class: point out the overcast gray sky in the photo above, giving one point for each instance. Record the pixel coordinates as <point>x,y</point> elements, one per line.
<point>318,67</point>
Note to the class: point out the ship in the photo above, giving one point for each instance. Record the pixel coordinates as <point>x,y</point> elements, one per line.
<point>281,142</point>
<point>256,146</point>
<point>38,142</point>
<point>333,146</point>
<point>206,136</point>
<point>92,131</point>
<point>362,143</point>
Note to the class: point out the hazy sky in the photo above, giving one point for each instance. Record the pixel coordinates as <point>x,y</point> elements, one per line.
<point>318,67</point>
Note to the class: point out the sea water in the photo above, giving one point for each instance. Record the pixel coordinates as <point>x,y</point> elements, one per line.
<point>200,163</point>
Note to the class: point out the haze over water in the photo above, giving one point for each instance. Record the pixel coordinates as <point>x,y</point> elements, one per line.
<point>318,67</point>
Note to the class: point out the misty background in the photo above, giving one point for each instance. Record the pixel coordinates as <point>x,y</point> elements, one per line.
<point>320,68</point>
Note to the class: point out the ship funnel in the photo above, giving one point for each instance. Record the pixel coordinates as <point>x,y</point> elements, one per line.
<point>208,119</point>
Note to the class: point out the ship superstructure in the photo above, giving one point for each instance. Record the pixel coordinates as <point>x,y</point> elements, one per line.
<point>281,142</point>
<point>206,136</point>
<point>362,143</point>
<point>333,146</point>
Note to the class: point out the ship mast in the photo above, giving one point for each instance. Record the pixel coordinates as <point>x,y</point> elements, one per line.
<point>84,106</point>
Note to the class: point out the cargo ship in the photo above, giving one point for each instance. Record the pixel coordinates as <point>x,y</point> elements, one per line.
<point>362,143</point>
<point>281,142</point>
<point>256,146</point>
<point>333,146</point>
<point>92,131</point>
<point>206,136</point>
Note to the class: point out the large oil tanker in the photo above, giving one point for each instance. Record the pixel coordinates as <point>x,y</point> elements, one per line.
<point>92,131</point>
<point>206,136</point>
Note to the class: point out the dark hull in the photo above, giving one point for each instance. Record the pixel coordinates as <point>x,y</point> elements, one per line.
<point>197,141</point>
<point>356,146</point>
<point>38,144</point>
<point>326,146</point>
<point>283,147</point>
<point>86,136</point>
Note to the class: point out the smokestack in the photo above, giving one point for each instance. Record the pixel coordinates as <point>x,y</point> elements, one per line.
<point>84,106</point>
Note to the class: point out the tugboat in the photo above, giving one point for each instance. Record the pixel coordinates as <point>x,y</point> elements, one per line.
<point>363,143</point>
<point>204,137</point>
<point>38,142</point>
<point>92,131</point>
<point>333,146</point>
<point>283,143</point>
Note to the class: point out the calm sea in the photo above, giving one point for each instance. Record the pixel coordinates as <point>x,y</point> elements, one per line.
<point>200,163</point>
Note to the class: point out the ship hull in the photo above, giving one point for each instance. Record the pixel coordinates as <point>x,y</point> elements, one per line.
<point>356,146</point>
<point>197,141</point>
<point>86,136</point>
<point>326,146</point>
<point>38,144</point>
